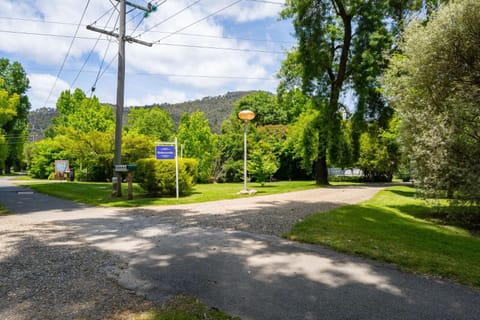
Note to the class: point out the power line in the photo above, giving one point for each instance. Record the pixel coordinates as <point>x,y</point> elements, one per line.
<point>272,78</point>
<point>48,35</point>
<point>91,51</point>
<point>199,20</point>
<point>114,7</point>
<point>100,73</point>
<point>168,18</point>
<point>161,43</point>
<point>149,30</point>
<point>204,76</point>
<point>68,53</point>
<point>268,2</point>
<point>39,20</point>
<point>223,37</point>
<point>156,4</point>
<point>218,48</point>
<point>40,34</point>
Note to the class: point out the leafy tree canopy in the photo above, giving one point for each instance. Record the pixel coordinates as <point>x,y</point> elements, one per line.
<point>435,84</point>
<point>198,142</point>
<point>153,122</point>
<point>341,45</point>
<point>16,84</point>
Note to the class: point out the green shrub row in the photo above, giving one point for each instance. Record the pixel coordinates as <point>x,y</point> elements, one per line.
<point>157,177</point>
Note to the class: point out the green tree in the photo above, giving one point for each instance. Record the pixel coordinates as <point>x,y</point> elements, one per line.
<point>15,83</point>
<point>198,142</point>
<point>262,165</point>
<point>81,133</point>
<point>8,105</point>
<point>435,84</point>
<point>303,138</point>
<point>76,111</point>
<point>43,155</point>
<point>264,105</point>
<point>8,110</point>
<point>153,122</point>
<point>341,45</point>
<point>230,165</point>
<point>379,152</point>
<point>137,146</point>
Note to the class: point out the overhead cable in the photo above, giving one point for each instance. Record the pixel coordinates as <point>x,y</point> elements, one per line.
<point>68,53</point>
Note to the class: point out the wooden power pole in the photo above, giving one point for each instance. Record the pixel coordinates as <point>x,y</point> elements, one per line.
<point>122,38</point>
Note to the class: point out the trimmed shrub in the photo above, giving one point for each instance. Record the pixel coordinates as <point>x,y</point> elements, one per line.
<point>157,177</point>
<point>191,166</point>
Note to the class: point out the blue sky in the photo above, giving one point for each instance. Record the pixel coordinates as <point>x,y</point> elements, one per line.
<point>238,48</point>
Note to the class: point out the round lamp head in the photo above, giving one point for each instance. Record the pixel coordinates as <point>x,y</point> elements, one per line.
<point>246,115</point>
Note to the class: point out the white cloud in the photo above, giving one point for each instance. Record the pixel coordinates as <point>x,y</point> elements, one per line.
<point>190,70</point>
<point>41,85</point>
<point>162,96</point>
<point>251,11</point>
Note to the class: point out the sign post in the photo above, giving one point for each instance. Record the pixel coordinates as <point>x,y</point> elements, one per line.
<point>119,169</point>
<point>168,151</point>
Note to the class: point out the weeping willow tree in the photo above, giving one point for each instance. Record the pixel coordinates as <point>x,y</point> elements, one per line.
<point>342,46</point>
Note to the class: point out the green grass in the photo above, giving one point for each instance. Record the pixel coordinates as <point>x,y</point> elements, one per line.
<point>396,227</point>
<point>183,308</point>
<point>21,178</point>
<point>3,210</point>
<point>99,194</point>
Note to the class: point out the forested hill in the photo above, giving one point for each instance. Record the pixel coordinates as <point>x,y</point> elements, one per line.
<point>216,109</point>
<point>39,120</point>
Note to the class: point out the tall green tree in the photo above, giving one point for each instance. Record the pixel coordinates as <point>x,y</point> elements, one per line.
<point>81,133</point>
<point>264,105</point>
<point>340,46</point>
<point>266,133</point>
<point>77,111</point>
<point>15,82</point>
<point>435,84</point>
<point>8,110</point>
<point>198,141</point>
<point>153,122</point>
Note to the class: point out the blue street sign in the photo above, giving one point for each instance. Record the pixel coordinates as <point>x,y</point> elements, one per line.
<point>164,152</point>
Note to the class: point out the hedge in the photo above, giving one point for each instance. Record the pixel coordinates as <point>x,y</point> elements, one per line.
<point>157,177</point>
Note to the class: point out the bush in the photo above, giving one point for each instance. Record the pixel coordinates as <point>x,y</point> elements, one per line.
<point>191,167</point>
<point>157,177</point>
<point>232,171</point>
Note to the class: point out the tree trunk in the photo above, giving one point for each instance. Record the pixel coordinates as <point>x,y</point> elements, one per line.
<point>321,170</point>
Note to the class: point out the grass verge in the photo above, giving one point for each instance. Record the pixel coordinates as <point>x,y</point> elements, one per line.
<point>3,210</point>
<point>393,227</point>
<point>99,194</point>
<point>182,308</point>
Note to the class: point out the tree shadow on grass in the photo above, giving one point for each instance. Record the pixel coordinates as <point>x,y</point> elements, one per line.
<point>411,193</point>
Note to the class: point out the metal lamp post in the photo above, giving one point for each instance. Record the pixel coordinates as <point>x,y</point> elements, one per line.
<point>245,115</point>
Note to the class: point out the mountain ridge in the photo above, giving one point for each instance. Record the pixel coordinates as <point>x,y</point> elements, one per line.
<point>217,109</point>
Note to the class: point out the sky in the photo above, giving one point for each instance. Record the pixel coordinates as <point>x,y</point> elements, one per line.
<point>200,48</point>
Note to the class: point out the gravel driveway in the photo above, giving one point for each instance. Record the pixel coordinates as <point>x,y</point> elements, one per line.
<point>48,271</point>
<point>60,260</point>
<point>273,215</point>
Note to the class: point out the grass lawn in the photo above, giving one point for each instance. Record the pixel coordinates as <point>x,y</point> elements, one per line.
<point>99,194</point>
<point>396,227</point>
<point>183,308</point>
<point>3,210</point>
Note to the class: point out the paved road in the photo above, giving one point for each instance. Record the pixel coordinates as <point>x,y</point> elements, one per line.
<point>254,276</point>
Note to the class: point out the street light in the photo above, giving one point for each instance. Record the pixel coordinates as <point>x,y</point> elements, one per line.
<point>245,115</point>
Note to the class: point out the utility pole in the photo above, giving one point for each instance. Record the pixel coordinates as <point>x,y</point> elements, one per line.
<point>117,160</point>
